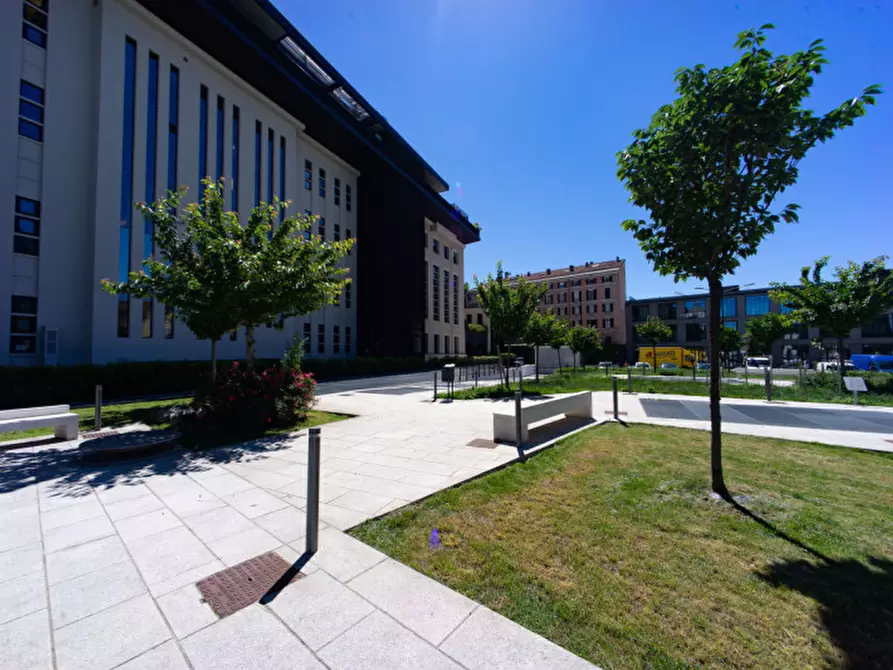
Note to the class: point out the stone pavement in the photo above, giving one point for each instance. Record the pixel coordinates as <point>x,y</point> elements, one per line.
<point>98,564</point>
<point>840,425</point>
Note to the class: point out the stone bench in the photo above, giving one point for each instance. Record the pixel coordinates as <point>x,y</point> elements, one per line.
<point>59,417</point>
<point>504,427</point>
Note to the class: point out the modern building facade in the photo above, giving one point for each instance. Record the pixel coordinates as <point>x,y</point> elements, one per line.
<point>111,102</point>
<point>686,315</point>
<point>592,294</point>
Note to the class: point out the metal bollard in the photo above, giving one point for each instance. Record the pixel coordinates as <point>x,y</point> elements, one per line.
<point>629,380</point>
<point>768,382</point>
<point>521,380</point>
<point>616,399</point>
<point>518,417</point>
<point>694,371</point>
<point>97,408</point>
<point>313,444</point>
<point>435,387</point>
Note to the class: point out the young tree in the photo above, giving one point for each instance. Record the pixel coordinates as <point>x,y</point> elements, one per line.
<point>858,294</point>
<point>582,338</point>
<point>653,331</point>
<point>540,330</point>
<point>508,307</point>
<point>711,164</point>
<point>764,331</point>
<point>730,341</point>
<point>559,338</point>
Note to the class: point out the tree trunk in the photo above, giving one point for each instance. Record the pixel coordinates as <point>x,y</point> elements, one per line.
<point>558,351</point>
<point>654,355</point>
<point>840,365</point>
<point>574,359</point>
<point>716,478</point>
<point>213,360</point>
<point>249,345</point>
<point>500,367</point>
<point>536,359</point>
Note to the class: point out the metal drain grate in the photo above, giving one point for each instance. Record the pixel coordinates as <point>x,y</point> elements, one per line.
<point>237,587</point>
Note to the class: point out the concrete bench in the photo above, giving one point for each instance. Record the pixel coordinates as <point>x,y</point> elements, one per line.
<point>59,417</point>
<point>504,428</point>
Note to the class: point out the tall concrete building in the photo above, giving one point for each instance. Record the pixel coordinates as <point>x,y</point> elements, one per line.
<point>110,102</point>
<point>592,294</point>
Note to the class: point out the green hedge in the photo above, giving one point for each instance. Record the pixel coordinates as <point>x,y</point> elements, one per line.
<point>72,384</point>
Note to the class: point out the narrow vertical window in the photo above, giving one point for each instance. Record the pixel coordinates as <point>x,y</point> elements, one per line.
<point>282,175</point>
<point>270,138</point>
<point>221,132</point>
<point>34,25</point>
<point>151,169</point>
<point>337,197</point>
<point>308,175</point>
<point>346,339</point>
<point>349,236</point>
<point>435,292</point>
<point>336,339</point>
<point>321,339</point>
<point>27,227</point>
<point>258,131</point>
<point>347,295</point>
<point>348,199</point>
<point>173,118</point>
<point>455,300</point>
<point>126,182</point>
<point>322,227</point>
<point>337,233</point>
<point>307,335</point>
<point>202,137</point>
<point>322,183</point>
<point>446,296</point>
<point>31,103</point>
<point>234,180</point>
<point>168,322</point>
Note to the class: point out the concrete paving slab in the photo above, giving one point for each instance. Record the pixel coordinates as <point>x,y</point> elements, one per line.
<point>133,506</point>
<point>380,642</point>
<point>242,546</point>
<point>88,594</point>
<point>64,516</point>
<point>341,517</point>
<point>22,595</point>
<point>185,610</point>
<point>25,643</point>
<point>343,557</point>
<point>288,524</point>
<point>361,501</point>
<point>21,561</point>
<point>192,502</point>
<point>190,576</point>
<point>426,607</point>
<point>76,533</point>
<point>109,495</point>
<point>144,525</point>
<point>169,553</point>
<point>318,608</point>
<point>487,641</point>
<point>110,637</point>
<point>225,483</point>
<point>247,640</point>
<point>165,656</point>
<point>217,524</point>
<point>85,558</point>
<point>254,502</point>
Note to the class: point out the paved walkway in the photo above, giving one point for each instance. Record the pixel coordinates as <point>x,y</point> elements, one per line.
<point>98,565</point>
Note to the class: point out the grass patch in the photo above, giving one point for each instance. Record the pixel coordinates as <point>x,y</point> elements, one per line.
<point>610,546</point>
<point>591,380</point>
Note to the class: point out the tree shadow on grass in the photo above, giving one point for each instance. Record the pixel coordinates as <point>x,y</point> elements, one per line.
<point>856,602</point>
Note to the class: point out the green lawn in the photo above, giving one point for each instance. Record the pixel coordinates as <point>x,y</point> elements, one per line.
<point>817,390</point>
<point>610,546</point>
<point>149,413</point>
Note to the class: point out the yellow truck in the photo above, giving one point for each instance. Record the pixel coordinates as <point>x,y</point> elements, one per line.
<point>679,356</point>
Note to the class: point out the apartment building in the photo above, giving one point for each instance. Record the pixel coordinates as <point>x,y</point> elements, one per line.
<point>686,315</point>
<point>592,294</point>
<point>112,102</point>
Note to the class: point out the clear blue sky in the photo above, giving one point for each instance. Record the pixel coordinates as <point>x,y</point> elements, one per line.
<point>521,105</point>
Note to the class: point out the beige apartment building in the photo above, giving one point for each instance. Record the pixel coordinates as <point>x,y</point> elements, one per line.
<point>444,292</point>
<point>592,294</point>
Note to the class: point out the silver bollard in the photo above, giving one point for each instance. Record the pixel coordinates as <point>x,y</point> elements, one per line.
<point>616,400</point>
<point>518,417</point>
<point>97,408</point>
<point>313,445</point>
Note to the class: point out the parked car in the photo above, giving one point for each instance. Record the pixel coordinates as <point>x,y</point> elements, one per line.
<point>757,363</point>
<point>668,366</point>
<point>830,366</point>
<point>606,364</point>
<point>642,365</point>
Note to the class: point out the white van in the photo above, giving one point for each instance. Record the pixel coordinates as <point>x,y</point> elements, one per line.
<point>757,363</point>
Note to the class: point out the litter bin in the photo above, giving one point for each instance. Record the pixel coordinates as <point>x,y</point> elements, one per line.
<point>448,374</point>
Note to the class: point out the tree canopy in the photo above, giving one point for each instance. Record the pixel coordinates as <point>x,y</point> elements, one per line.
<point>583,338</point>
<point>653,331</point>
<point>541,330</point>
<point>762,332</point>
<point>709,167</point>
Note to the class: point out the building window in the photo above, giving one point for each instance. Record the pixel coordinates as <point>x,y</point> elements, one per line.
<point>435,292</point>
<point>456,345</point>
<point>322,227</point>
<point>321,339</point>
<point>435,246</point>
<point>168,322</point>
<point>34,25</point>
<point>446,344</point>
<point>880,327</point>
<point>728,307</point>
<point>756,305</point>
<point>347,295</point>
<point>446,296</point>
<point>221,131</point>
<point>282,176</point>
<point>607,293</point>
<point>348,236</point>
<point>455,257</point>
<point>336,339</point>
<point>23,325</point>
<point>666,311</point>
<point>202,136</point>
<point>346,339</point>
<point>446,252</point>
<point>456,300</point>
<point>308,175</point>
<point>27,227</point>
<point>694,309</point>
<point>730,324</point>
<point>31,102</point>
<point>322,183</point>
<point>234,180</point>
<point>607,324</point>
<point>307,335</point>
<point>126,183</point>
<point>436,343</point>
<point>640,312</point>
<point>695,332</point>
<point>173,114</point>
<point>608,307</point>
<point>347,197</point>
<point>258,157</point>
<point>271,137</point>
<point>337,232</point>
<point>151,159</point>
<point>147,319</point>
<point>337,192</point>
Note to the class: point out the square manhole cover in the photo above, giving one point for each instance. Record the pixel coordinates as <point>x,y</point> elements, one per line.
<point>237,587</point>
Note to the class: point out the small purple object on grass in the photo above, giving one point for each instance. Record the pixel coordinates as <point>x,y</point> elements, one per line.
<point>434,540</point>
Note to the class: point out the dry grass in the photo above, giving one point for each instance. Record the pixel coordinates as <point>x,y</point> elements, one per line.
<point>610,546</point>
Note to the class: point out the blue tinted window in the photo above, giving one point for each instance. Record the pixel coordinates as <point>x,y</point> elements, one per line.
<point>221,120</point>
<point>126,180</point>
<point>34,35</point>
<point>756,305</point>
<point>30,111</point>
<point>151,149</point>
<point>258,130</point>
<point>282,175</point>
<point>203,136</point>
<point>729,307</point>
<point>173,114</point>
<point>27,226</point>
<point>31,92</point>
<point>235,176</point>
<point>785,309</point>
<point>270,137</point>
<point>30,130</point>
<point>27,206</point>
